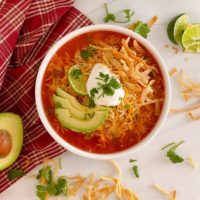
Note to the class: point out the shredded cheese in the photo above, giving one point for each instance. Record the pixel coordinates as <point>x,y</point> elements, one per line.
<point>152,21</point>
<point>192,163</point>
<point>117,168</point>
<point>166,193</point>
<point>173,72</point>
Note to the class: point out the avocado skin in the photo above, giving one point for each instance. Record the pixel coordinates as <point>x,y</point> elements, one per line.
<point>12,123</point>
<point>84,126</point>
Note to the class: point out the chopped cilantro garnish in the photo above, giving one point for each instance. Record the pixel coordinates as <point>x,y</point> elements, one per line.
<point>93,92</point>
<point>76,73</point>
<point>135,170</point>
<point>41,191</point>
<point>91,103</point>
<point>87,53</point>
<point>126,106</point>
<point>175,158</point>
<point>141,28</point>
<point>128,13</point>
<point>45,174</point>
<point>50,187</point>
<point>114,83</point>
<point>135,167</point>
<point>132,160</point>
<point>15,173</point>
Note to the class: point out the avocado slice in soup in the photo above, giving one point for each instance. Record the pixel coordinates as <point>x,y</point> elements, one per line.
<point>67,104</point>
<point>68,121</point>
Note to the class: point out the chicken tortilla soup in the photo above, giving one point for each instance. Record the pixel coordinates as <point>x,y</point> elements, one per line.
<point>102,92</point>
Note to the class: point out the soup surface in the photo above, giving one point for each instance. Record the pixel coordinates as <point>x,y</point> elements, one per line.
<point>134,117</point>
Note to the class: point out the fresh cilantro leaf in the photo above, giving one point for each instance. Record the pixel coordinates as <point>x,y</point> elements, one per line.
<point>126,106</point>
<point>62,186</point>
<point>103,77</point>
<point>175,158</point>
<point>132,160</point>
<point>135,170</point>
<point>109,17</point>
<point>93,91</point>
<point>128,14</point>
<point>107,90</point>
<point>87,53</point>
<point>91,103</point>
<point>114,83</point>
<point>52,189</point>
<point>76,73</point>
<point>141,28</point>
<point>168,145</point>
<point>45,174</point>
<point>41,192</point>
<point>15,173</point>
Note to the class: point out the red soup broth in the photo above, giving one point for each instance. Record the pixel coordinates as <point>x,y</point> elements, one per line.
<point>54,74</point>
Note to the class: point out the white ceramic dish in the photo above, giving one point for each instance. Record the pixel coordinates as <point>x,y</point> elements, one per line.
<point>152,51</point>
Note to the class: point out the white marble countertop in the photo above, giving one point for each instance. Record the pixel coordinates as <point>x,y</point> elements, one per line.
<point>153,165</point>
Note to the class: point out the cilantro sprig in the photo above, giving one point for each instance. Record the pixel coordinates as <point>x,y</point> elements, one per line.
<point>106,87</point>
<point>48,186</point>
<point>135,168</point>
<point>76,73</point>
<point>171,154</point>
<point>141,28</point>
<point>15,173</point>
<point>128,14</point>
<point>87,53</point>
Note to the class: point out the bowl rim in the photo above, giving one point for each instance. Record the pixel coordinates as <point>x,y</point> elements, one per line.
<point>103,27</point>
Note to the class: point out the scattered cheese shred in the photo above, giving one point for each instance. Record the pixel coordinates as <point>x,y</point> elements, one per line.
<point>191,115</point>
<point>173,72</point>
<point>192,163</point>
<point>166,193</point>
<point>56,166</point>
<point>95,188</point>
<point>116,166</point>
<point>152,21</point>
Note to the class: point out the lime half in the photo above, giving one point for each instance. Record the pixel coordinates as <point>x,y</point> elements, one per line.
<point>77,80</point>
<point>191,38</point>
<point>176,28</point>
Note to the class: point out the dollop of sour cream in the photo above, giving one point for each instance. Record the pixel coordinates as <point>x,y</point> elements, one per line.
<point>93,82</point>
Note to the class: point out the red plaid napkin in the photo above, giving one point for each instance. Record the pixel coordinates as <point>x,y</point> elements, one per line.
<point>28,28</point>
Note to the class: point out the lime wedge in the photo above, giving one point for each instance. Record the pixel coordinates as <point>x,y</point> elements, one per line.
<point>176,28</point>
<point>191,38</point>
<point>77,80</point>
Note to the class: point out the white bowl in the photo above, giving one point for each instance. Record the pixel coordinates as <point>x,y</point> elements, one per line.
<point>152,51</point>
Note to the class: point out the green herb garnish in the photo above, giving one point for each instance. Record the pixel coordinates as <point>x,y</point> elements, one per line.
<point>87,53</point>
<point>15,173</point>
<point>41,191</point>
<point>175,158</point>
<point>53,188</point>
<point>127,106</point>
<point>128,13</point>
<point>76,73</point>
<point>45,174</point>
<point>141,28</point>
<point>91,103</point>
<point>135,170</point>
<point>132,160</point>
<point>93,92</point>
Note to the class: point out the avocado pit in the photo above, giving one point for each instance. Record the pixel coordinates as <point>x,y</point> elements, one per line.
<point>5,143</point>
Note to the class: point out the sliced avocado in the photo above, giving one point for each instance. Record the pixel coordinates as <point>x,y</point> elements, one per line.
<point>84,126</point>
<point>11,138</point>
<point>66,103</point>
<point>74,102</point>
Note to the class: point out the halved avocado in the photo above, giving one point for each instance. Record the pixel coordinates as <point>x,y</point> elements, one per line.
<point>74,102</point>
<point>69,121</point>
<point>67,104</point>
<point>11,138</point>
